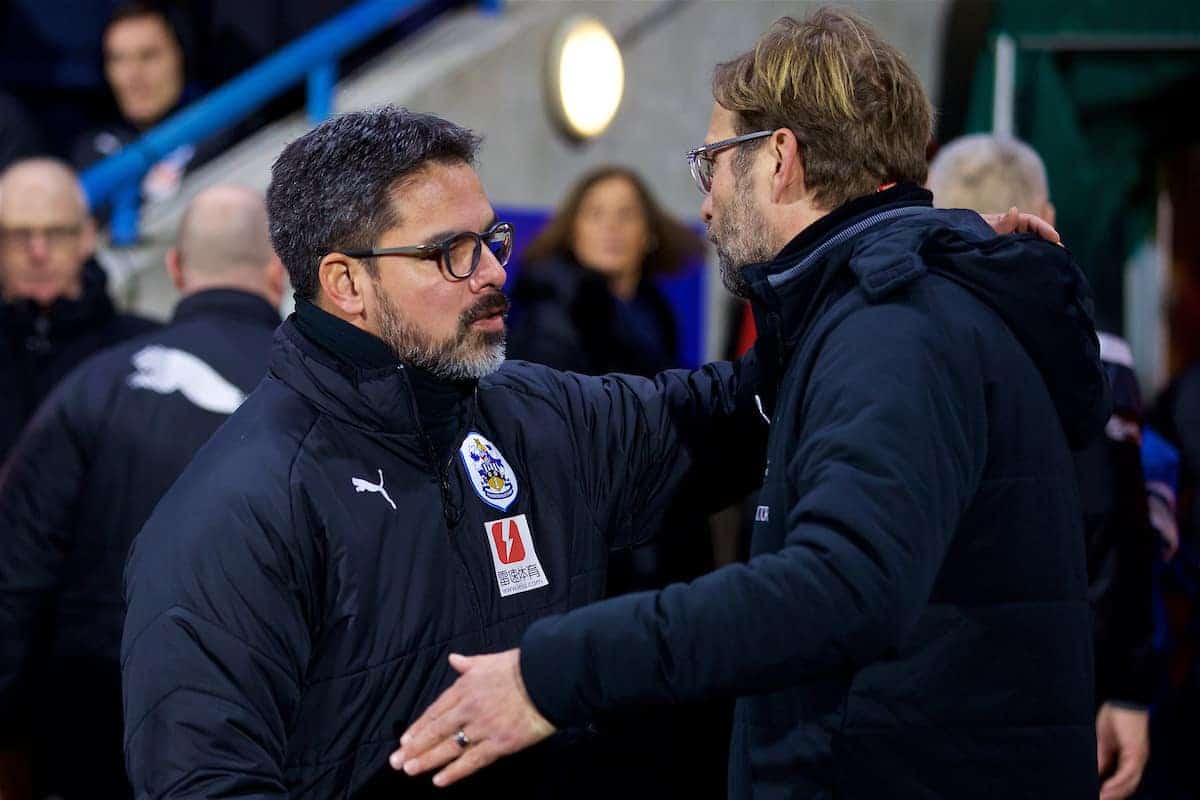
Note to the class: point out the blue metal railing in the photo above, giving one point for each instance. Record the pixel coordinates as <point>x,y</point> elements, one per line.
<point>312,58</point>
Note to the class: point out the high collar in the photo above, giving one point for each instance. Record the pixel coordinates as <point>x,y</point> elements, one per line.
<point>788,292</point>
<point>845,215</point>
<point>64,317</point>
<point>807,261</point>
<point>231,303</point>
<point>341,369</point>
<point>344,341</point>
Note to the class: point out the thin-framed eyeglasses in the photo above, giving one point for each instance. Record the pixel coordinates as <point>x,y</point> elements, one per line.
<point>458,254</point>
<point>701,159</point>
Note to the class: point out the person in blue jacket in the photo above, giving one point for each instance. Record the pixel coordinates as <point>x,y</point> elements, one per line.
<point>913,621</point>
<point>92,463</point>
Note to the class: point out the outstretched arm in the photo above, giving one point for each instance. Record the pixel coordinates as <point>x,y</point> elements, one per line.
<point>867,531</point>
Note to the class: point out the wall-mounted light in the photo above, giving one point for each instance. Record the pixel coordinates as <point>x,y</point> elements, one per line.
<point>584,77</point>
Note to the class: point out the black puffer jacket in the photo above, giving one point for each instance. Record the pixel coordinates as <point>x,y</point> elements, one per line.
<point>104,447</point>
<point>913,622</point>
<point>38,347</point>
<point>293,599</point>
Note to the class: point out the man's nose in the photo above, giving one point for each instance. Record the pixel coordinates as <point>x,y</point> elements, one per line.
<point>489,272</point>
<point>706,209</point>
<point>39,245</point>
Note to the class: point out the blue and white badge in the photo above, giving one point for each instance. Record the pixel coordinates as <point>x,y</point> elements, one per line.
<point>493,479</point>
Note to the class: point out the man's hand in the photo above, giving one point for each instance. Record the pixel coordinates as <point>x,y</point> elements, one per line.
<point>1015,221</point>
<point>1123,741</point>
<point>486,714</point>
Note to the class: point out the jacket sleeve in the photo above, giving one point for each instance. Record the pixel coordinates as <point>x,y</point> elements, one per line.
<point>215,642</point>
<point>39,485</point>
<point>684,437</point>
<point>889,446</point>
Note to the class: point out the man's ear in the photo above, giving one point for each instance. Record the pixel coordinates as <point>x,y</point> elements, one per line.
<point>87,238</point>
<point>787,180</point>
<point>276,278</point>
<point>174,263</point>
<point>343,281</point>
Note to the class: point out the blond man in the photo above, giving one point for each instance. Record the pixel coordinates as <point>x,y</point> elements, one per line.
<point>913,621</point>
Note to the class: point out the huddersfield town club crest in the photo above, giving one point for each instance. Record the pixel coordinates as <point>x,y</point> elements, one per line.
<point>493,479</point>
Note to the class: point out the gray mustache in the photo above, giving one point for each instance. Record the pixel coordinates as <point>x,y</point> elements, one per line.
<point>492,304</point>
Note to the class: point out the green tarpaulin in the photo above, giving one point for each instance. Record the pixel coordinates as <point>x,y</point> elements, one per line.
<point>1103,90</point>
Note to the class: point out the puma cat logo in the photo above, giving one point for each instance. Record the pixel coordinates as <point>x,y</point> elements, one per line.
<point>166,370</point>
<point>363,485</point>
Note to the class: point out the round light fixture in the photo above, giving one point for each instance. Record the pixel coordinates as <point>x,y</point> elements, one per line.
<point>585,77</point>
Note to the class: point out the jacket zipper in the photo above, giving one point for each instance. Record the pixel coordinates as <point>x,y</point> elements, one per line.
<point>781,278</point>
<point>449,514</point>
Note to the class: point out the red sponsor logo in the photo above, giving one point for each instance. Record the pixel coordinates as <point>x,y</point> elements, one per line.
<point>507,539</point>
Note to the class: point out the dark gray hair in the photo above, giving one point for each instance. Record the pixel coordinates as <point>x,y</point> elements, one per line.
<point>331,188</point>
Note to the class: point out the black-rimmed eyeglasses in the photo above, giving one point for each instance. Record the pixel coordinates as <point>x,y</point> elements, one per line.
<point>458,254</point>
<point>701,160</point>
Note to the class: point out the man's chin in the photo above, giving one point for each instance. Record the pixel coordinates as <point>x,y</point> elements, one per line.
<point>734,280</point>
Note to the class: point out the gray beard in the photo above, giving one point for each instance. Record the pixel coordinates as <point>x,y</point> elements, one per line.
<point>740,240</point>
<point>468,355</point>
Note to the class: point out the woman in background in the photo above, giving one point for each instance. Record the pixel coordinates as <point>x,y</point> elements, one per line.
<point>586,301</point>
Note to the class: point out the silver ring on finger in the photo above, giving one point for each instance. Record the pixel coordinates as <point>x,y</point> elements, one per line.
<point>461,739</point>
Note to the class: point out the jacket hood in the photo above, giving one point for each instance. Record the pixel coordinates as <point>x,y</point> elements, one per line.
<point>1035,287</point>
<point>1045,300</point>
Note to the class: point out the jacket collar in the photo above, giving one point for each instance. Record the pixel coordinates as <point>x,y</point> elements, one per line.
<point>389,398</point>
<point>64,318</point>
<point>787,290</point>
<point>790,291</point>
<point>376,399</point>
<point>231,303</point>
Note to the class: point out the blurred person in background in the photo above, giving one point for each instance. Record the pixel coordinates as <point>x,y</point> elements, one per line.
<point>54,307</point>
<point>990,174</point>
<point>586,301</point>
<point>101,451</point>
<point>147,52</point>
<point>1174,459</point>
<point>1176,416</point>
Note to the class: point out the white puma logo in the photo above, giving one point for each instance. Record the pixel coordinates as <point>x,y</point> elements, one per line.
<point>166,370</point>
<point>363,485</point>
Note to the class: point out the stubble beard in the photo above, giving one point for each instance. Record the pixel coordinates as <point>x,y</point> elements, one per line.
<point>740,238</point>
<point>469,354</point>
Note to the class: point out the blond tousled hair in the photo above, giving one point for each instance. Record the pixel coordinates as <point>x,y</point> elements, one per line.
<point>854,104</point>
<point>989,174</point>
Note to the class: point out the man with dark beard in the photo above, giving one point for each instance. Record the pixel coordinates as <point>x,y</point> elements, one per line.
<point>390,493</point>
<point>913,620</point>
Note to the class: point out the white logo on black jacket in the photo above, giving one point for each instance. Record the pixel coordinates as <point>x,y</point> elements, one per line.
<point>166,370</point>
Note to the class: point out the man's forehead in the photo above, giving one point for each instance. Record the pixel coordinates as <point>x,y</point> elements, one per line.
<point>721,124</point>
<point>137,32</point>
<point>445,196</point>
<point>35,194</point>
